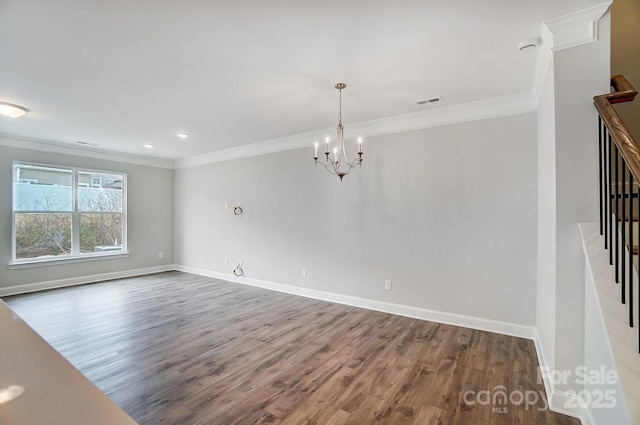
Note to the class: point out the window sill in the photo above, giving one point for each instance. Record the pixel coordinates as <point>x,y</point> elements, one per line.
<point>67,260</point>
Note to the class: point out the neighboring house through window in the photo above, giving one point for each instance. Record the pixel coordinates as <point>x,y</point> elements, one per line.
<point>64,212</point>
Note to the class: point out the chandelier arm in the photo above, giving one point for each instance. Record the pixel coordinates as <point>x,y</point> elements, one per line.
<point>332,168</point>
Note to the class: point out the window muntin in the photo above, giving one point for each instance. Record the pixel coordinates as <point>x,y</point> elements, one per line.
<point>61,212</point>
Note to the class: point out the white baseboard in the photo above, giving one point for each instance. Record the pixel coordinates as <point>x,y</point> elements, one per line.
<point>587,418</point>
<point>559,401</point>
<point>542,363</point>
<point>81,280</point>
<point>556,400</point>
<point>488,325</point>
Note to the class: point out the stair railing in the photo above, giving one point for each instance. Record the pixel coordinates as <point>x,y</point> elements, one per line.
<point>619,169</point>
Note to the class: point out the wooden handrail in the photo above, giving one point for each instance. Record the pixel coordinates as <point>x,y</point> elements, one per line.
<point>623,92</point>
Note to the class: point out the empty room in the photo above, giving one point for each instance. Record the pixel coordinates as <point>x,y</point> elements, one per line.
<point>319,212</point>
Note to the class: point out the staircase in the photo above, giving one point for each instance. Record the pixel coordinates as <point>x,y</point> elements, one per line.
<point>619,167</point>
<point>612,297</point>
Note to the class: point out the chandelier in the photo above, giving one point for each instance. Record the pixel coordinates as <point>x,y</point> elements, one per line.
<point>339,163</point>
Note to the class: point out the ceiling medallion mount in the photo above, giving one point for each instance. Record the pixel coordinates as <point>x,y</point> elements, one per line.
<point>339,163</point>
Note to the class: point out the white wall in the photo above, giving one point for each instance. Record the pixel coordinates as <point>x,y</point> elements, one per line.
<point>579,74</point>
<point>150,220</point>
<point>447,213</point>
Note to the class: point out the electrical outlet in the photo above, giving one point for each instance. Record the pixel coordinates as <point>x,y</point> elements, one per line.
<point>303,272</point>
<point>226,261</point>
<point>387,285</point>
<point>161,255</point>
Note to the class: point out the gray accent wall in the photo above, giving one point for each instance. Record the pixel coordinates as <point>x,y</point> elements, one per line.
<point>448,214</point>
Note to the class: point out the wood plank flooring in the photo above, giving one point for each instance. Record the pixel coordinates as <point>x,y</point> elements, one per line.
<point>175,348</point>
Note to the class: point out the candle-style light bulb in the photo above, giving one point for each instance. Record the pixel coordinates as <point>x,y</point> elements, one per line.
<point>359,144</point>
<point>315,155</point>
<point>327,141</point>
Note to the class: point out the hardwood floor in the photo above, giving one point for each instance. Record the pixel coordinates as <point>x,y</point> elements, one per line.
<point>175,348</point>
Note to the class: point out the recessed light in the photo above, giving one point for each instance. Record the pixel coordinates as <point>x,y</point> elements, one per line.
<point>10,110</point>
<point>148,146</point>
<point>182,135</point>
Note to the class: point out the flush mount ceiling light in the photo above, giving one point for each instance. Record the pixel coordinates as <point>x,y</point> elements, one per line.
<point>148,146</point>
<point>9,393</point>
<point>339,164</point>
<point>9,110</point>
<point>182,135</point>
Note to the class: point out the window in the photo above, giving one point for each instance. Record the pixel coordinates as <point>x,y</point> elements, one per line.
<point>63,213</point>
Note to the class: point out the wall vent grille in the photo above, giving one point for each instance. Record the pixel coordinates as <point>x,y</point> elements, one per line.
<point>430,100</point>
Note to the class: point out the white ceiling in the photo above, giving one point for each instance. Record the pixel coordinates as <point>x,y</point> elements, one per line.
<point>120,74</point>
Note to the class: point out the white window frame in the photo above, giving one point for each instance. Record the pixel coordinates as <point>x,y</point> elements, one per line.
<point>76,255</point>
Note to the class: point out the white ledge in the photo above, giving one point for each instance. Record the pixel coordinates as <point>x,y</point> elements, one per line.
<point>66,260</point>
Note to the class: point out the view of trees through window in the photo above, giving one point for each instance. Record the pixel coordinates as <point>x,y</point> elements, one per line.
<point>67,212</point>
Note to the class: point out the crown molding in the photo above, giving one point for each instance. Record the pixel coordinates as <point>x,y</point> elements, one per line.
<point>577,28</point>
<point>563,33</point>
<point>491,108</point>
<point>40,145</point>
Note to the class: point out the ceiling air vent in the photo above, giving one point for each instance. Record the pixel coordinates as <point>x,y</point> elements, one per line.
<point>430,100</point>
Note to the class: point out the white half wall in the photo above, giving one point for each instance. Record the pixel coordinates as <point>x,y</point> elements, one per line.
<point>610,350</point>
<point>448,214</point>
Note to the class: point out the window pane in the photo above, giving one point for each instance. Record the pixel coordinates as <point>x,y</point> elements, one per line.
<point>42,235</point>
<point>100,232</point>
<point>100,192</point>
<point>41,189</point>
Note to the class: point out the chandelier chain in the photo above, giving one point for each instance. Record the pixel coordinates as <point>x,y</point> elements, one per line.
<point>340,117</point>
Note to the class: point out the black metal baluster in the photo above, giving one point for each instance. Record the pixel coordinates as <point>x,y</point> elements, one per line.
<point>600,159</point>
<point>624,301</point>
<point>624,227</point>
<point>616,213</point>
<point>631,250</point>
<point>607,196</point>
<point>609,200</point>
